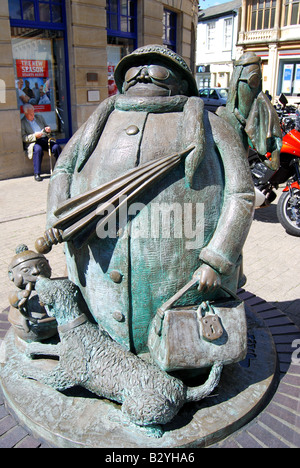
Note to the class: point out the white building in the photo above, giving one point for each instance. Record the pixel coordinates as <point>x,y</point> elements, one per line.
<point>217,33</point>
<point>271,29</point>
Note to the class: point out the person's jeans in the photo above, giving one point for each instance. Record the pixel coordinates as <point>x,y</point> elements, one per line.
<point>38,152</point>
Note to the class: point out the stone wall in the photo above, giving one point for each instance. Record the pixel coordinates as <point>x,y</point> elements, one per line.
<point>13,161</point>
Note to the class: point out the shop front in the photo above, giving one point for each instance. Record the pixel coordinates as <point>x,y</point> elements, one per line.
<point>60,55</point>
<point>40,61</point>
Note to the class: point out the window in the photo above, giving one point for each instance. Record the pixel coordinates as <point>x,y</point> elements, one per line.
<point>228,33</point>
<point>291,12</point>
<point>121,17</point>
<point>213,94</point>
<point>289,77</point>
<point>262,14</point>
<point>39,48</point>
<point>169,29</point>
<point>204,82</point>
<point>211,35</point>
<point>38,11</point>
<point>204,93</point>
<point>121,20</point>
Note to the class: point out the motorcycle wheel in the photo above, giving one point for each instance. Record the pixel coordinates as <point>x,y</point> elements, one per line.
<point>288,212</point>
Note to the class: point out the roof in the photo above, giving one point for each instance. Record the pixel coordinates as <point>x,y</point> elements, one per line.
<point>219,10</point>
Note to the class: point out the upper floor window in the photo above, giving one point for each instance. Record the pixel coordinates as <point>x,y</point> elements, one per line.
<point>121,20</point>
<point>169,29</point>
<point>291,12</point>
<point>262,14</point>
<point>121,17</point>
<point>36,11</point>
<point>228,23</point>
<point>211,35</point>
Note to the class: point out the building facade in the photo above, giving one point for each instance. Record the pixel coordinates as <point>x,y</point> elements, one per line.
<point>60,55</point>
<point>271,29</point>
<point>217,33</point>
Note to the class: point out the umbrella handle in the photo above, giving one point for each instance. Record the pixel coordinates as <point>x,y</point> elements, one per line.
<point>51,237</point>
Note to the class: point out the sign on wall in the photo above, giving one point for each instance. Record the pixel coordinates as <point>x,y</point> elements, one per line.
<point>297,79</point>
<point>287,79</point>
<point>33,84</point>
<point>34,77</point>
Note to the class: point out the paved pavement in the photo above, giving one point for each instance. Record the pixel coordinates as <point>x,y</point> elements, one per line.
<point>271,262</point>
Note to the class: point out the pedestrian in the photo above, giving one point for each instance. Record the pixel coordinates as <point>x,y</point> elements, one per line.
<point>35,133</point>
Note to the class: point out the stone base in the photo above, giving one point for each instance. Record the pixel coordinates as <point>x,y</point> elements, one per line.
<point>81,420</point>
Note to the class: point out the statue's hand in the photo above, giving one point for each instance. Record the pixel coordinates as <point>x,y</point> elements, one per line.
<point>24,295</point>
<point>209,279</point>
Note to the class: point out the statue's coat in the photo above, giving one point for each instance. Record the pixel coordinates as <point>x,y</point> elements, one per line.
<point>125,279</point>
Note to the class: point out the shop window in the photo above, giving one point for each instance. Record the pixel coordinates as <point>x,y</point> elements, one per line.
<point>291,12</point>
<point>289,78</point>
<point>121,20</point>
<point>40,62</point>
<point>170,29</point>
<point>262,14</point>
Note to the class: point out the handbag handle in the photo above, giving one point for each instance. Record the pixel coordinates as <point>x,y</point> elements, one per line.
<point>168,304</point>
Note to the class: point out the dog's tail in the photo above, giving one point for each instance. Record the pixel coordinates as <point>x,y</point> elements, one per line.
<point>198,393</point>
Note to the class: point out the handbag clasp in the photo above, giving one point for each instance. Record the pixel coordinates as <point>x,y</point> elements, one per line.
<point>210,323</point>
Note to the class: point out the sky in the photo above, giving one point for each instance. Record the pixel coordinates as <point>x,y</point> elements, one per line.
<point>208,3</point>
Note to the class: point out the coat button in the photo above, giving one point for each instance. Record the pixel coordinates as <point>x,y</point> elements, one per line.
<point>118,316</point>
<point>132,130</point>
<point>116,276</point>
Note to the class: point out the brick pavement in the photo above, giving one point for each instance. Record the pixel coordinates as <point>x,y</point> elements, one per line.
<point>271,258</point>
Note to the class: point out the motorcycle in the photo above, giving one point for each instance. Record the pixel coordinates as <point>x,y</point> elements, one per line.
<point>287,114</point>
<point>266,180</point>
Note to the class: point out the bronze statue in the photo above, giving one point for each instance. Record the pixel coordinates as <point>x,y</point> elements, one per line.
<point>113,372</point>
<point>153,198</point>
<point>155,145</point>
<point>27,316</point>
<point>250,112</point>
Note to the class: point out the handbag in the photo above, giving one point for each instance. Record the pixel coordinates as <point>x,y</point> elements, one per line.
<point>198,336</point>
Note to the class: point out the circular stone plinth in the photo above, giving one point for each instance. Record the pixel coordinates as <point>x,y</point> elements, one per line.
<point>90,422</point>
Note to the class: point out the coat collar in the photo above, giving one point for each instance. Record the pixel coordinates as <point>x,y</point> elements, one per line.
<point>150,104</point>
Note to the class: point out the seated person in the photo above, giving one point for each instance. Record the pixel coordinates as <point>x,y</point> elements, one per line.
<point>34,135</point>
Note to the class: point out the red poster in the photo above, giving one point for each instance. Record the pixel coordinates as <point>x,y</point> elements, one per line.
<point>32,68</point>
<point>33,84</point>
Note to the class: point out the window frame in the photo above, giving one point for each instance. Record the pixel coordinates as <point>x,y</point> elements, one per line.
<point>296,69</point>
<point>170,27</point>
<point>228,37</point>
<point>287,9</point>
<point>37,23</point>
<point>261,12</point>
<point>211,40</point>
<point>118,32</point>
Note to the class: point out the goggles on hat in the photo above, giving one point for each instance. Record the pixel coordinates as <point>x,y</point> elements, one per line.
<point>156,72</point>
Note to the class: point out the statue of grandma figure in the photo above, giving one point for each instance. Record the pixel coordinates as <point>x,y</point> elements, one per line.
<point>125,278</point>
